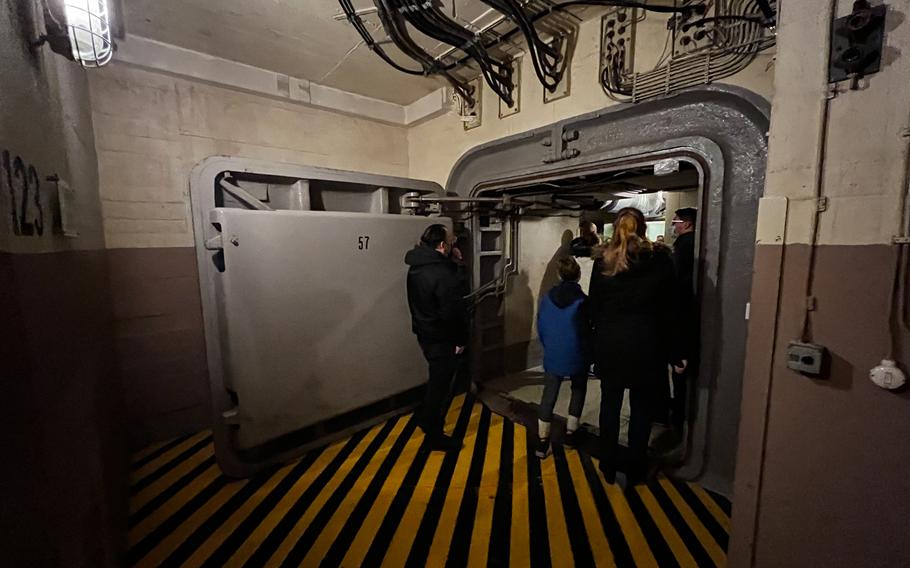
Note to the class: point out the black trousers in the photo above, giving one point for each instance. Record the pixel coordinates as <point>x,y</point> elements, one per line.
<point>443,364</point>
<point>642,405</point>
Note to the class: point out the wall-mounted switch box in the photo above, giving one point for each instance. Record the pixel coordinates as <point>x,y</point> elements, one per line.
<point>805,357</point>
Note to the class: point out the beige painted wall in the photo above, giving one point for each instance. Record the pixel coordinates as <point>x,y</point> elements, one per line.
<point>867,138</point>
<point>151,129</point>
<point>542,240</point>
<point>436,145</point>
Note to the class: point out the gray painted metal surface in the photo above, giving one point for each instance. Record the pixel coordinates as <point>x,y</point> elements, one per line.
<point>314,316</point>
<point>307,320</point>
<point>720,129</point>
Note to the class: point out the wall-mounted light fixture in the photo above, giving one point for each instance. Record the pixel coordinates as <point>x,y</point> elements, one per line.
<point>79,30</point>
<point>89,31</point>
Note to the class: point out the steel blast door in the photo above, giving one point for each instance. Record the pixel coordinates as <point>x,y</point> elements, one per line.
<point>315,315</point>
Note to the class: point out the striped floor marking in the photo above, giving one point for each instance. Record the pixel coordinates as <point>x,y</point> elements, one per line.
<point>519,532</point>
<point>381,498</point>
<point>163,459</point>
<point>557,530</point>
<point>447,518</point>
<point>412,500</point>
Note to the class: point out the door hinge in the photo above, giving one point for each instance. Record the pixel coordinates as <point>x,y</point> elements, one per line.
<point>822,204</point>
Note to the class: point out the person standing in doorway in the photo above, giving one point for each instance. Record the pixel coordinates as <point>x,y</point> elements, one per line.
<point>684,246</point>
<point>564,329</point>
<point>684,223</point>
<point>586,240</point>
<point>439,320</point>
<point>632,309</point>
<point>582,248</point>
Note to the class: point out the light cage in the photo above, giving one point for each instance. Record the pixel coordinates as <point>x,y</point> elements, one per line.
<point>89,31</point>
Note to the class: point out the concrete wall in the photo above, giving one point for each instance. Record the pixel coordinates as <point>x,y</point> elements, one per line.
<point>821,473</point>
<point>62,484</point>
<point>151,129</point>
<point>542,242</point>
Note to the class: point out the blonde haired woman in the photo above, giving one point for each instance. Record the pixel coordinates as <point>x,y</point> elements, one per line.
<point>632,307</point>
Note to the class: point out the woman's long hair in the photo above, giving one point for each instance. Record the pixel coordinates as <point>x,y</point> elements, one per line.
<point>628,241</point>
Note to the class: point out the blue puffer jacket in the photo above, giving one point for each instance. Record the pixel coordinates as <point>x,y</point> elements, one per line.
<point>564,330</point>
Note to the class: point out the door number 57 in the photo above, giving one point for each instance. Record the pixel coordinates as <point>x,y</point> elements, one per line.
<point>363,242</point>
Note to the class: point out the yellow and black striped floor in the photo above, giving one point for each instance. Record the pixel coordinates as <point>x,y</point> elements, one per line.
<point>380,499</point>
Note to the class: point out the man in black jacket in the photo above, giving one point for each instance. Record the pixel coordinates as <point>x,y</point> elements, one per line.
<point>439,320</point>
<point>684,260</point>
<point>684,246</point>
<point>582,245</point>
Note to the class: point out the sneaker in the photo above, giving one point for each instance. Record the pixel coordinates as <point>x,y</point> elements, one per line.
<point>571,439</point>
<point>543,447</point>
<point>443,443</point>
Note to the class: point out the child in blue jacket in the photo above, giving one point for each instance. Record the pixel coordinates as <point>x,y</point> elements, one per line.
<point>564,330</point>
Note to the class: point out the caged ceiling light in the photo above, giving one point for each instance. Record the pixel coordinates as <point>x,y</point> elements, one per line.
<point>79,30</point>
<point>89,29</point>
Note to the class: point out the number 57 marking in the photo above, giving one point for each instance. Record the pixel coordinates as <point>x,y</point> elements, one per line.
<point>363,242</point>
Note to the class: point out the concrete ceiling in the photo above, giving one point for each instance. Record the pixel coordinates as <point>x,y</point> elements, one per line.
<point>299,38</point>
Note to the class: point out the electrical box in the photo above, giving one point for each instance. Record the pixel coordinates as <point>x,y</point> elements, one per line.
<point>857,43</point>
<point>805,357</point>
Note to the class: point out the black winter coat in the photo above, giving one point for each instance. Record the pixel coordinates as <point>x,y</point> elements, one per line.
<point>633,314</point>
<point>438,311</point>
<point>688,328</point>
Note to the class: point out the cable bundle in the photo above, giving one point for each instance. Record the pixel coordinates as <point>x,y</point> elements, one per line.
<point>740,35</point>
<point>740,31</point>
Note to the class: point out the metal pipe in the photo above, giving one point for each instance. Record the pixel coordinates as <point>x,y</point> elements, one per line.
<point>822,142</point>
<point>430,199</point>
<point>901,240</point>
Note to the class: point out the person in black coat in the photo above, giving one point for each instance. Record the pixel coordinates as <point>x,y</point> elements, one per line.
<point>687,329</point>
<point>632,309</point>
<point>584,243</point>
<point>439,320</point>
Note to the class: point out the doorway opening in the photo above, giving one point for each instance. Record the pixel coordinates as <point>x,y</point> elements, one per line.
<point>514,259</point>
